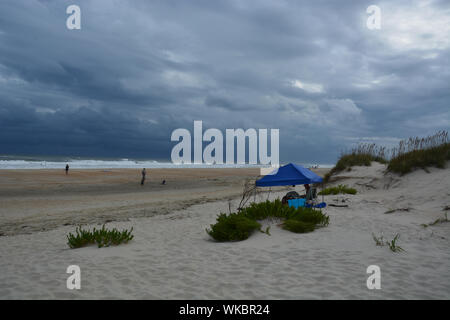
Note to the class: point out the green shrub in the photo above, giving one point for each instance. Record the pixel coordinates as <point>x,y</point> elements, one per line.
<point>337,190</point>
<point>309,215</point>
<point>267,209</point>
<point>102,237</point>
<point>298,226</point>
<point>239,226</point>
<point>232,227</point>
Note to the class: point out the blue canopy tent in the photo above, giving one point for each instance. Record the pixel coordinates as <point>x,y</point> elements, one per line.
<point>289,175</point>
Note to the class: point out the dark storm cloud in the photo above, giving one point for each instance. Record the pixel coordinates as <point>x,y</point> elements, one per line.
<point>139,69</point>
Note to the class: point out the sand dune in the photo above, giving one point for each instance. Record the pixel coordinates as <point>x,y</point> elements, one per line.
<point>172,257</point>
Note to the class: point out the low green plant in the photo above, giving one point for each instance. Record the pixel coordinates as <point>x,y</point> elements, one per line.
<point>393,244</point>
<point>233,227</point>
<point>298,226</point>
<point>340,189</point>
<point>379,241</point>
<point>309,215</point>
<point>267,209</point>
<point>102,237</point>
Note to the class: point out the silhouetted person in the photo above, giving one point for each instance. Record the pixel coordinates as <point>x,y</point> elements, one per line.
<point>163,182</point>
<point>307,187</point>
<point>143,176</point>
<point>67,168</point>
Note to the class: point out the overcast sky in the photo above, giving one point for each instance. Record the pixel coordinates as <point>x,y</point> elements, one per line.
<point>137,70</point>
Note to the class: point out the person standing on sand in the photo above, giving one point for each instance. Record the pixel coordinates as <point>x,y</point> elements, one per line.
<point>67,168</point>
<point>307,187</point>
<point>143,176</point>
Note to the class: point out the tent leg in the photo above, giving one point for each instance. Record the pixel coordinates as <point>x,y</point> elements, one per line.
<point>322,192</point>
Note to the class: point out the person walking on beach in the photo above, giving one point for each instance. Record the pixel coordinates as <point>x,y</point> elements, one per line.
<point>143,176</point>
<point>67,168</point>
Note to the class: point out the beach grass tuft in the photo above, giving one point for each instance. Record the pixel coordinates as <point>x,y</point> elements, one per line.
<point>379,241</point>
<point>393,244</point>
<point>102,237</point>
<point>362,155</point>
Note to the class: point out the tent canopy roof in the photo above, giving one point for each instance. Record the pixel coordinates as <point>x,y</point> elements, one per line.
<point>290,174</point>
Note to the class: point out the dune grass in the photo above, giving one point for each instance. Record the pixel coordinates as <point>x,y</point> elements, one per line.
<point>414,153</point>
<point>102,237</point>
<point>239,226</point>
<point>362,155</point>
<point>340,189</point>
<point>410,154</point>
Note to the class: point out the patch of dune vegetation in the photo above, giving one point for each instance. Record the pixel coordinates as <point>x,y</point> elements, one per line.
<point>411,154</point>
<point>340,189</point>
<point>102,237</point>
<point>363,155</point>
<point>239,226</point>
<point>420,153</point>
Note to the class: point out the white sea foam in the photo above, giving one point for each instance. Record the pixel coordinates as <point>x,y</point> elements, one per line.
<point>114,164</point>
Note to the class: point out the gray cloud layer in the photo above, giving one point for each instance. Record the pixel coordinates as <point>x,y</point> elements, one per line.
<point>139,69</point>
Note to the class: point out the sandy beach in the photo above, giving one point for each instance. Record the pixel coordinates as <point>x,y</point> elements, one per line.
<point>172,257</point>
<point>38,200</point>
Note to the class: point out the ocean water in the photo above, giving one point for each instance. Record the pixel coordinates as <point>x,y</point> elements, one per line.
<point>14,162</point>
